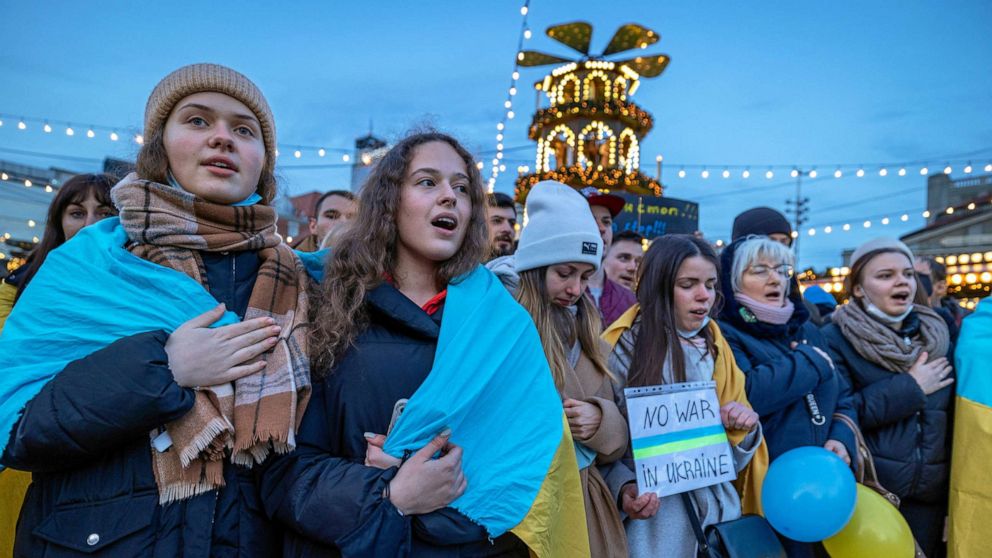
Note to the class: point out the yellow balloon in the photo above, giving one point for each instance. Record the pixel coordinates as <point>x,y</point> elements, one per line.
<point>876,529</point>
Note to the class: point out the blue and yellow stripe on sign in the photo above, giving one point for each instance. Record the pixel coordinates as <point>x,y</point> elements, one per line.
<point>683,440</point>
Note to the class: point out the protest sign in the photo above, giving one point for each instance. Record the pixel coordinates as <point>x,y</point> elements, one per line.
<point>651,216</point>
<point>678,438</point>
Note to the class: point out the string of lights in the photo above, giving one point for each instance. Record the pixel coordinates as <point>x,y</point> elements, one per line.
<point>497,164</point>
<point>117,133</point>
<point>975,161</point>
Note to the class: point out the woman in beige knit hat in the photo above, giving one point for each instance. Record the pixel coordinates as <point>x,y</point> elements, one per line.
<point>145,446</point>
<point>896,354</point>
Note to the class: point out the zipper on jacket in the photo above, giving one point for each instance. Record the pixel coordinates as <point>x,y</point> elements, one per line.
<point>918,467</point>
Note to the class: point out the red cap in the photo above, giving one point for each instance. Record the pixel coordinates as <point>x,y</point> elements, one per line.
<point>610,201</point>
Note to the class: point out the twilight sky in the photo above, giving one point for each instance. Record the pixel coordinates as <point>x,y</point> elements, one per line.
<point>846,82</point>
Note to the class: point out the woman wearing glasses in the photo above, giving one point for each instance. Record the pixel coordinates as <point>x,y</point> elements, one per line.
<point>790,380</point>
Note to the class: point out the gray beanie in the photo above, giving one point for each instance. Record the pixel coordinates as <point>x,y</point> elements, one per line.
<point>560,229</point>
<point>881,243</point>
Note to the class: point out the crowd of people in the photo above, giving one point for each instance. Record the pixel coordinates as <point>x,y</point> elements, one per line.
<point>417,378</point>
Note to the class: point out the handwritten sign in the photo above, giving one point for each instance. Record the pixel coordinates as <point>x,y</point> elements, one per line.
<point>652,216</point>
<point>678,438</point>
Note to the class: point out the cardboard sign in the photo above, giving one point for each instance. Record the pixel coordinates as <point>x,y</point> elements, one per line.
<point>678,438</point>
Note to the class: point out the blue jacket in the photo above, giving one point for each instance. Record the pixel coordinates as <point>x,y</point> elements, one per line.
<point>795,391</point>
<point>85,439</point>
<point>324,493</point>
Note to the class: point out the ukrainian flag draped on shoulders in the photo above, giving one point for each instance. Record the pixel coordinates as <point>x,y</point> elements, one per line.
<point>729,387</point>
<point>971,492</point>
<point>492,386</point>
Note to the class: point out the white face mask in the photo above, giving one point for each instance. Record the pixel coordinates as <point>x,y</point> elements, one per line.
<point>691,334</point>
<point>878,313</point>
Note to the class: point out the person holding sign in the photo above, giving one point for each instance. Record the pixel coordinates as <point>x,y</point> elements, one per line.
<point>558,251</point>
<point>789,378</point>
<point>435,428</point>
<point>668,338</point>
<point>895,353</point>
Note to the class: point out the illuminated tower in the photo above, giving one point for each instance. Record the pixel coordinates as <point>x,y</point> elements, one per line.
<point>589,133</point>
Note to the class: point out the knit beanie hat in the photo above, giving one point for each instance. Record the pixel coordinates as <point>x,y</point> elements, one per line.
<point>200,78</point>
<point>761,221</point>
<point>881,243</point>
<point>560,229</point>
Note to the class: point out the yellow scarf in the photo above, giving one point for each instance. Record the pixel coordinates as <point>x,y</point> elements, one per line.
<point>729,387</point>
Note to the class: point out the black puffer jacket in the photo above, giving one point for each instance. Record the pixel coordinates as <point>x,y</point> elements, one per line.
<point>907,431</point>
<point>323,491</point>
<point>85,438</point>
<point>796,391</point>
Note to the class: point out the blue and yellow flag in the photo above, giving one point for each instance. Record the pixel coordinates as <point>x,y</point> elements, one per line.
<point>491,385</point>
<point>971,491</point>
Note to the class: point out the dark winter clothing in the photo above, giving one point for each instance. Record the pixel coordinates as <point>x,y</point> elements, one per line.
<point>780,378</point>
<point>332,502</point>
<point>85,438</point>
<point>907,432</point>
<point>795,391</point>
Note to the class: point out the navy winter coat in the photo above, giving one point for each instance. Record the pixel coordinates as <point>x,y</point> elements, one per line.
<point>795,391</point>
<point>323,491</point>
<point>85,438</point>
<point>908,432</point>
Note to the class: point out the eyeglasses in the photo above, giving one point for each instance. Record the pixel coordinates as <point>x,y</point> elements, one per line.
<point>762,271</point>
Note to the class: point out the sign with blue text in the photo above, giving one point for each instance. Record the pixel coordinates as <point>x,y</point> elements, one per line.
<point>651,216</point>
<point>678,438</point>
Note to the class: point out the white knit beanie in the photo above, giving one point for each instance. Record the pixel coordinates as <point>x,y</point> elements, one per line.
<point>560,229</point>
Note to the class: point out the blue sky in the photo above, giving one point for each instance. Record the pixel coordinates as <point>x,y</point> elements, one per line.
<point>752,83</point>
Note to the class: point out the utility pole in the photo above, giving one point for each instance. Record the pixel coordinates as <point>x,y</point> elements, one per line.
<point>799,209</point>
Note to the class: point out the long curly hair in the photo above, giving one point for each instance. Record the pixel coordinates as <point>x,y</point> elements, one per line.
<point>366,253</point>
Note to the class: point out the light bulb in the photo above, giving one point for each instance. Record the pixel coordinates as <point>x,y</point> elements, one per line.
<point>860,173</point>
<point>924,171</point>
<point>114,136</point>
<point>769,175</point>
<point>90,133</point>
<point>321,152</point>
<point>22,126</point>
<point>883,172</point>
<point>47,128</point>
<point>838,174</point>
<point>746,174</point>
<point>69,131</point>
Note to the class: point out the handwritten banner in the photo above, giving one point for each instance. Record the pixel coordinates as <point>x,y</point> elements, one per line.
<point>678,438</point>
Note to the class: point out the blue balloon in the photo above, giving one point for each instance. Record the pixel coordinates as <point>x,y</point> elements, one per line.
<point>809,494</point>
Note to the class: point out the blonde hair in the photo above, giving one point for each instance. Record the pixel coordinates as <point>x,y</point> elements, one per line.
<point>558,328</point>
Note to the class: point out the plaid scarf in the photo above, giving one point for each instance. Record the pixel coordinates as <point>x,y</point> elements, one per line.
<point>259,413</point>
<point>880,344</point>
